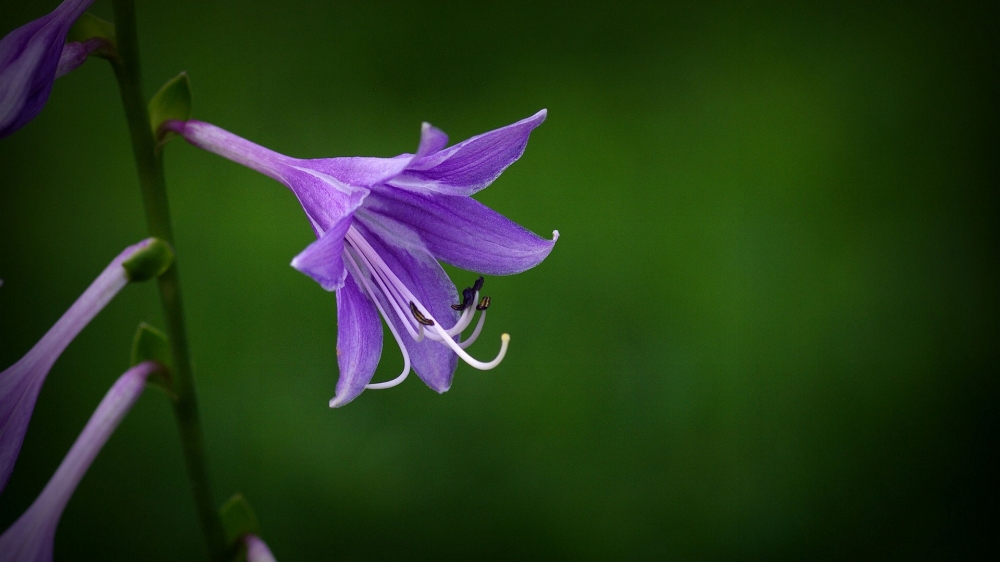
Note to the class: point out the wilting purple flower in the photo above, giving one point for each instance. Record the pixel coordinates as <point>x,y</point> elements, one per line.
<point>32,57</point>
<point>386,222</point>
<point>257,550</point>
<point>30,538</point>
<point>74,54</point>
<point>21,382</point>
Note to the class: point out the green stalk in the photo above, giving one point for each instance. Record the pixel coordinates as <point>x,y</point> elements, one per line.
<point>149,164</point>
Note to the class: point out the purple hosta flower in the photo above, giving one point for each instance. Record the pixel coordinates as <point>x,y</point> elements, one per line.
<point>21,382</point>
<point>30,538</point>
<point>382,225</point>
<point>32,57</point>
<point>257,550</point>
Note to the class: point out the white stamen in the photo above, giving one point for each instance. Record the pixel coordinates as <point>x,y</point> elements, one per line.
<point>406,356</point>
<point>402,302</point>
<point>359,242</point>
<point>475,333</point>
<point>394,382</point>
<point>463,323</point>
<point>466,318</point>
<point>504,340</point>
<point>391,296</point>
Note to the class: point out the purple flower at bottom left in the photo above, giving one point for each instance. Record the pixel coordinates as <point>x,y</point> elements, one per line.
<point>31,537</point>
<point>21,382</point>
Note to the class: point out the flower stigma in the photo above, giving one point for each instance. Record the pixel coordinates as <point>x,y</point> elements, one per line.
<point>377,279</point>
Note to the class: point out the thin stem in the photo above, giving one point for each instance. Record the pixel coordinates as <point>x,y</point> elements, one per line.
<point>149,164</point>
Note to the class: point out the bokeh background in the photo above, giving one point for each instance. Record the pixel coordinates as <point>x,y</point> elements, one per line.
<point>770,329</point>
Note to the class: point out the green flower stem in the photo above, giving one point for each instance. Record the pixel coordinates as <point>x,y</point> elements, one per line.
<point>149,163</point>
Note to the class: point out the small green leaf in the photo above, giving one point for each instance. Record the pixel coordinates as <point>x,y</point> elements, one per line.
<point>150,344</point>
<point>238,519</point>
<point>88,26</point>
<point>149,262</point>
<point>172,102</point>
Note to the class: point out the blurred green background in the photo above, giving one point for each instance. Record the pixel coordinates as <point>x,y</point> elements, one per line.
<point>770,329</point>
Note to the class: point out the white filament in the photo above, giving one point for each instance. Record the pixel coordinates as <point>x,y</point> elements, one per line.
<point>475,333</point>
<point>364,257</point>
<point>406,356</point>
<point>504,340</point>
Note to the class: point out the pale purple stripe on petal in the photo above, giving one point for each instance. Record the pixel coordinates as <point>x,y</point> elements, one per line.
<point>458,230</point>
<point>31,537</point>
<point>21,382</point>
<point>363,171</point>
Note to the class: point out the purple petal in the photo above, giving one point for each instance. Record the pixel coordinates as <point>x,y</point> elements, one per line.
<point>362,171</point>
<point>470,165</point>
<point>323,260</point>
<point>432,140</point>
<point>369,171</point>
<point>14,44</point>
<point>326,200</point>
<point>31,537</point>
<point>458,230</point>
<point>19,388</point>
<point>257,550</point>
<point>76,53</point>
<point>29,57</point>
<point>433,362</point>
<point>21,382</point>
<point>359,342</point>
